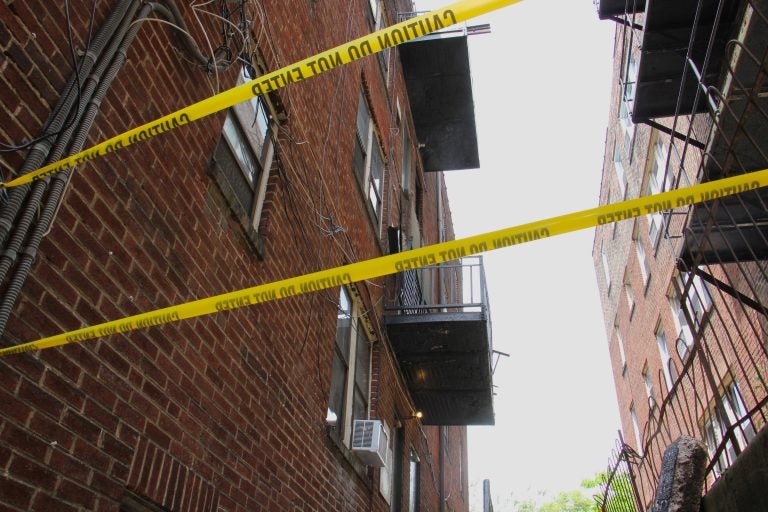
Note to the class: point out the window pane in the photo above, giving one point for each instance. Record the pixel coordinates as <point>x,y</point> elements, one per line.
<point>359,406</point>
<point>336,398</point>
<point>406,171</point>
<point>242,149</point>
<point>359,159</point>
<point>363,360</point>
<point>374,190</point>
<point>344,324</point>
<point>363,117</point>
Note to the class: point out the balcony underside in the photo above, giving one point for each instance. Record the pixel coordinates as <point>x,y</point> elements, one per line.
<point>666,38</point>
<point>439,84</point>
<point>609,8</point>
<point>446,361</point>
<point>737,228</point>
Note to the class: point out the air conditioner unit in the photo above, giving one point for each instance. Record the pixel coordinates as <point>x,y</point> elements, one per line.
<point>369,442</point>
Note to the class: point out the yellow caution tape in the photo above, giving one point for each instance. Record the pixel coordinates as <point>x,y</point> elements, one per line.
<point>415,258</point>
<point>330,59</point>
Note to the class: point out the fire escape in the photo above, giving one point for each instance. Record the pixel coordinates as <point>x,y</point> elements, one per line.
<point>701,76</point>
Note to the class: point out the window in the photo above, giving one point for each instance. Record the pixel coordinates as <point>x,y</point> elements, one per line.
<point>622,354</point>
<point>697,296</point>
<point>242,160</point>
<point>667,365</point>
<point>684,339</point>
<point>628,87</point>
<point>648,380</point>
<point>387,472</point>
<point>377,23</point>
<point>630,295</point>
<point>368,159</point>
<point>717,423</point>
<point>606,269</point>
<point>619,167</point>
<point>642,259</point>
<point>636,429</point>
<point>407,171</point>
<point>413,482</point>
<point>351,370</point>
<point>660,179</point>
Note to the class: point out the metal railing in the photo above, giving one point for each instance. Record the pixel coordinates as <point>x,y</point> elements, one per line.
<point>618,492</point>
<point>454,286</point>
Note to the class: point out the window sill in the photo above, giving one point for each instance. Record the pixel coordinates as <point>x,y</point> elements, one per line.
<point>349,456</point>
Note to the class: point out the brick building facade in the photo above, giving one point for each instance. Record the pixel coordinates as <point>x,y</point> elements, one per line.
<point>249,409</point>
<point>683,290</point>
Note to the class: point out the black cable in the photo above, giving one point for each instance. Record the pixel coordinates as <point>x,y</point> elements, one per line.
<point>77,66</point>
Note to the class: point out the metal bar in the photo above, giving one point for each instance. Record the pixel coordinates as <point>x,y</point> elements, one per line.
<point>675,134</point>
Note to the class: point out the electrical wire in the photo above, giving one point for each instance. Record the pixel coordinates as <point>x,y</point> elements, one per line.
<point>76,66</point>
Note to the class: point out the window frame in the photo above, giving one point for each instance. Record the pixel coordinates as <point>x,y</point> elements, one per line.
<point>660,179</point>
<point>622,353</point>
<point>628,85</point>
<point>357,346</point>
<point>371,183</point>
<point>714,428</point>
<point>251,148</point>
<point>636,428</point>
<point>666,359</point>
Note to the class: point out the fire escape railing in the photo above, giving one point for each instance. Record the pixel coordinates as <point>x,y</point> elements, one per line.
<point>451,287</point>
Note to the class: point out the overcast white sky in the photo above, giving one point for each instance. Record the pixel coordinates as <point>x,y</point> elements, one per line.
<point>541,84</point>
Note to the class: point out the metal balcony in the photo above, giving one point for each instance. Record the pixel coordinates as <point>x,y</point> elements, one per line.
<point>444,346</point>
<point>437,76</point>
<point>682,48</point>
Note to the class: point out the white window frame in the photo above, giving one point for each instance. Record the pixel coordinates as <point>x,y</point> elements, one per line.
<point>642,258</point>
<point>373,157</point>
<point>666,360</point>
<point>349,378</point>
<point>684,340</point>
<point>648,381</point>
<point>387,471</point>
<point>621,175</point>
<point>606,269</point>
<point>630,294</point>
<point>660,179</point>
<point>714,427</point>
<point>247,131</point>
<point>698,298</point>
<point>622,354</point>
<point>636,429</point>
<point>378,18</point>
<point>626,105</point>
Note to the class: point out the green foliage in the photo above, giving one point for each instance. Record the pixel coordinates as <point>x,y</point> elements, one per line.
<point>619,497</point>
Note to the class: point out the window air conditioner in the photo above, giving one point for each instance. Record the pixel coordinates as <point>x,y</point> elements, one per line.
<point>369,442</point>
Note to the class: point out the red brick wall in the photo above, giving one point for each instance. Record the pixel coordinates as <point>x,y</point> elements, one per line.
<point>224,412</point>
